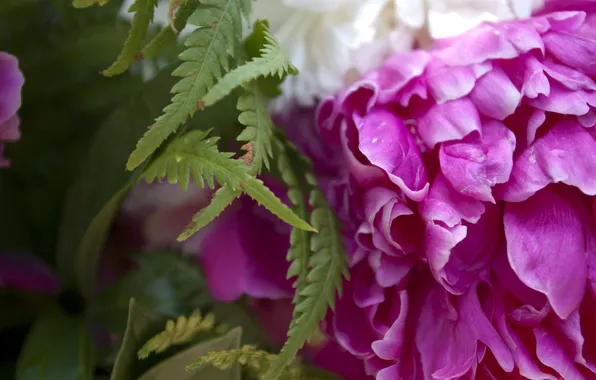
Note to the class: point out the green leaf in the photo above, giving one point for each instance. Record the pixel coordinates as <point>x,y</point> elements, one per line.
<point>164,281</point>
<point>195,155</point>
<point>140,24</point>
<point>259,127</point>
<point>92,199</point>
<point>329,264</point>
<point>142,324</point>
<point>175,366</point>
<point>57,347</point>
<point>88,3</point>
<point>207,56</point>
<point>223,197</point>
<point>271,62</point>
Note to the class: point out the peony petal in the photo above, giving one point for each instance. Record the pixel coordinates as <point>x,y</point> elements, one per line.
<point>561,100</point>
<point>391,271</point>
<point>474,165</point>
<point>469,258</point>
<point>386,142</point>
<point>481,44</point>
<point>450,83</point>
<point>550,352</point>
<point>535,82</point>
<point>398,71</point>
<point>447,335</point>
<point>566,153</point>
<point>452,120</point>
<point>524,362</point>
<point>347,315</point>
<point>546,248</point>
<point>572,50</point>
<point>391,345</point>
<point>495,96</point>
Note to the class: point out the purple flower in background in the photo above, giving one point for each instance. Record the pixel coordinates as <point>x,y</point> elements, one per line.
<point>25,272</point>
<point>11,82</point>
<point>471,174</point>
<point>241,252</point>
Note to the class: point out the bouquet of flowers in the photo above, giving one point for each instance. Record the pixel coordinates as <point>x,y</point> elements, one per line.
<point>298,189</point>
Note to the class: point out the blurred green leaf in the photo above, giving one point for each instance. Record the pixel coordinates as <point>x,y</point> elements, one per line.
<point>142,325</point>
<point>93,200</point>
<point>57,347</point>
<point>165,282</point>
<point>175,366</point>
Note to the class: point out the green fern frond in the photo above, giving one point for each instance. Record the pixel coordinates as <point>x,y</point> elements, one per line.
<point>256,360</point>
<point>167,36</point>
<point>290,164</point>
<point>323,282</point>
<point>143,16</point>
<point>196,155</point>
<point>272,61</point>
<point>183,330</point>
<point>223,197</point>
<point>88,3</point>
<point>205,60</point>
<point>259,127</point>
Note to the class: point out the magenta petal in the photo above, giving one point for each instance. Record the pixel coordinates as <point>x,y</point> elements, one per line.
<point>452,120</point>
<point>474,165</point>
<point>389,270</point>
<point>219,269</point>
<point>535,81</point>
<point>524,361</point>
<point>20,271</point>
<point>566,153</point>
<point>540,232</point>
<point>572,50</point>
<point>478,45</point>
<point>569,77</point>
<point>398,71</point>
<point>469,258</point>
<point>386,142</point>
<point>391,345</point>
<point>347,315</point>
<point>562,100</point>
<point>495,96</point>
<point>551,353</point>
<point>450,83</point>
<point>11,82</point>
<point>447,335</point>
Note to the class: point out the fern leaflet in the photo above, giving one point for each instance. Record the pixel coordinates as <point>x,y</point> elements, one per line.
<point>183,331</point>
<point>223,197</point>
<point>299,253</point>
<point>318,292</point>
<point>194,155</point>
<point>167,36</point>
<point>259,127</point>
<point>256,360</point>
<point>138,31</point>
<point>220,27</point>
<point>272,61</point>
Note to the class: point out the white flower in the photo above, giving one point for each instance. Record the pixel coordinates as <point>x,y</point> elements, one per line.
<point>448,18</point>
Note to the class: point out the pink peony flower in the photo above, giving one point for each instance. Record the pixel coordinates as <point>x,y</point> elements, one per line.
<point>12,81</point>
<point>470,171</point>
